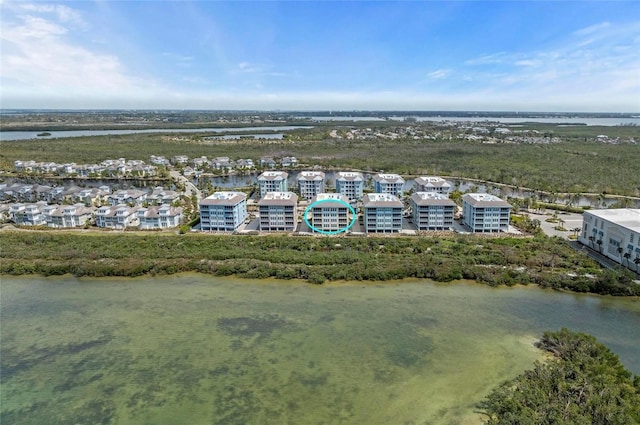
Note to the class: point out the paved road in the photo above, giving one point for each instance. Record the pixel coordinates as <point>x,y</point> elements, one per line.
<point>189,187</point>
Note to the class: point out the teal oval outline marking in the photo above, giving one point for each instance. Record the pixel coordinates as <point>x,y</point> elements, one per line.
<point>329,232</point>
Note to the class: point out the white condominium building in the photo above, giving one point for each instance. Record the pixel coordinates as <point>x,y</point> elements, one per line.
<point>278,211</point>
<point>388,183</point>
<point>310,183</point>
<point>273,181</point>
<point>432,211</point>
<point>223,211</point>
<point>350,184</point>
<point>382,213</point>
<point>485,213</point>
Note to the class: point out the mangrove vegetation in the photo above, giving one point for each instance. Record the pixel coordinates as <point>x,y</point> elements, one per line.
<point>582,383</point>
<point>547,262</point>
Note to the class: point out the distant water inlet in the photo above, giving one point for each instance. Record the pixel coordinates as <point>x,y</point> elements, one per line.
<point>200,350</point>
<point>27,135</point>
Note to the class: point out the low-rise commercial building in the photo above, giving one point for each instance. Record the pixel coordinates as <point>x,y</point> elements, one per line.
<point>615,233</point>
<point>432,211</point>
<point>223,211</point>
<point>329,215</point>
<point>382,213</point>
<point>485,213</point>
<point>278,211</point>
<point>350,184</point>
<point>310,183</point>
<point>388,183</point>
<point>432,184</point>
<point>273,181</point>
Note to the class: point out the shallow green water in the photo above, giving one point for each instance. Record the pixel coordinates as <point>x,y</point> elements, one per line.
<point>200,350</point>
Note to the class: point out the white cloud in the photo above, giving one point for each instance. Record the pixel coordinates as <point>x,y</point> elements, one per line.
<point>40,57</point>
<point>249,68</point>
<point>439,74</point>
<point>595,68</point>
<point>591,29</point>
<point>495,58</point>
<point>527,62</point>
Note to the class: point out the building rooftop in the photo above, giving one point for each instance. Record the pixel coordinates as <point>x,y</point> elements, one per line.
<point>381,200</point>
<point>388,178</point>
<point>484,200</point>
<point>279,198</point>
<point>224,198</point>
<point>431,198</point>
<point>311,175</point>
<point>432,180</point>
<point>628,218</point>
<point>328,197</point>
<point>273,175</point>
<point>349,175</point>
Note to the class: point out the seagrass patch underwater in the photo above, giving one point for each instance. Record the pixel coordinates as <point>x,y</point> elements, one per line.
<point>202,350</point>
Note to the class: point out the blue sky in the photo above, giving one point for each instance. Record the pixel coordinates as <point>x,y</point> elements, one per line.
<point>411,55</point>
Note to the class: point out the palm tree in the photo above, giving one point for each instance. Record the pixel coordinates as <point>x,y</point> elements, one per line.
<point>626,256</point>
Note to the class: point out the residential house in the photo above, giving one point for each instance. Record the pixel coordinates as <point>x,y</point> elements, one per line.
<point>188,172</point>
<point>117,217</point>
<point>278,211</point>
<point>29,214</point>
<point>66,216</point>
<point>159,217</point>
<point>267,162</point>
<point>160,196</point>
<point>180,159</point>
<point>245,164</point>
<point>92,196</point>
<point>310,183</point>
<point>159,160</point>
<point>223,163</point>
<point>432,211</point>
<point>382,213</point>
<point>200,163</point>
<point>484,213</point>
<point>288,161</point>
<point>223,211</point>
<point>128,197</point>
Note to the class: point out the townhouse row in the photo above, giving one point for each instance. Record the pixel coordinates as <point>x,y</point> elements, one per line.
<point>19,192</point>
<point>333,213</point>
<point>107,168</point>
<point>78,215</point>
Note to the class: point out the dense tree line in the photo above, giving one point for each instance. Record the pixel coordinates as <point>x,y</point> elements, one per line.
<point>583,383</point>
<point>576,165</point>
<point>548,262</point>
